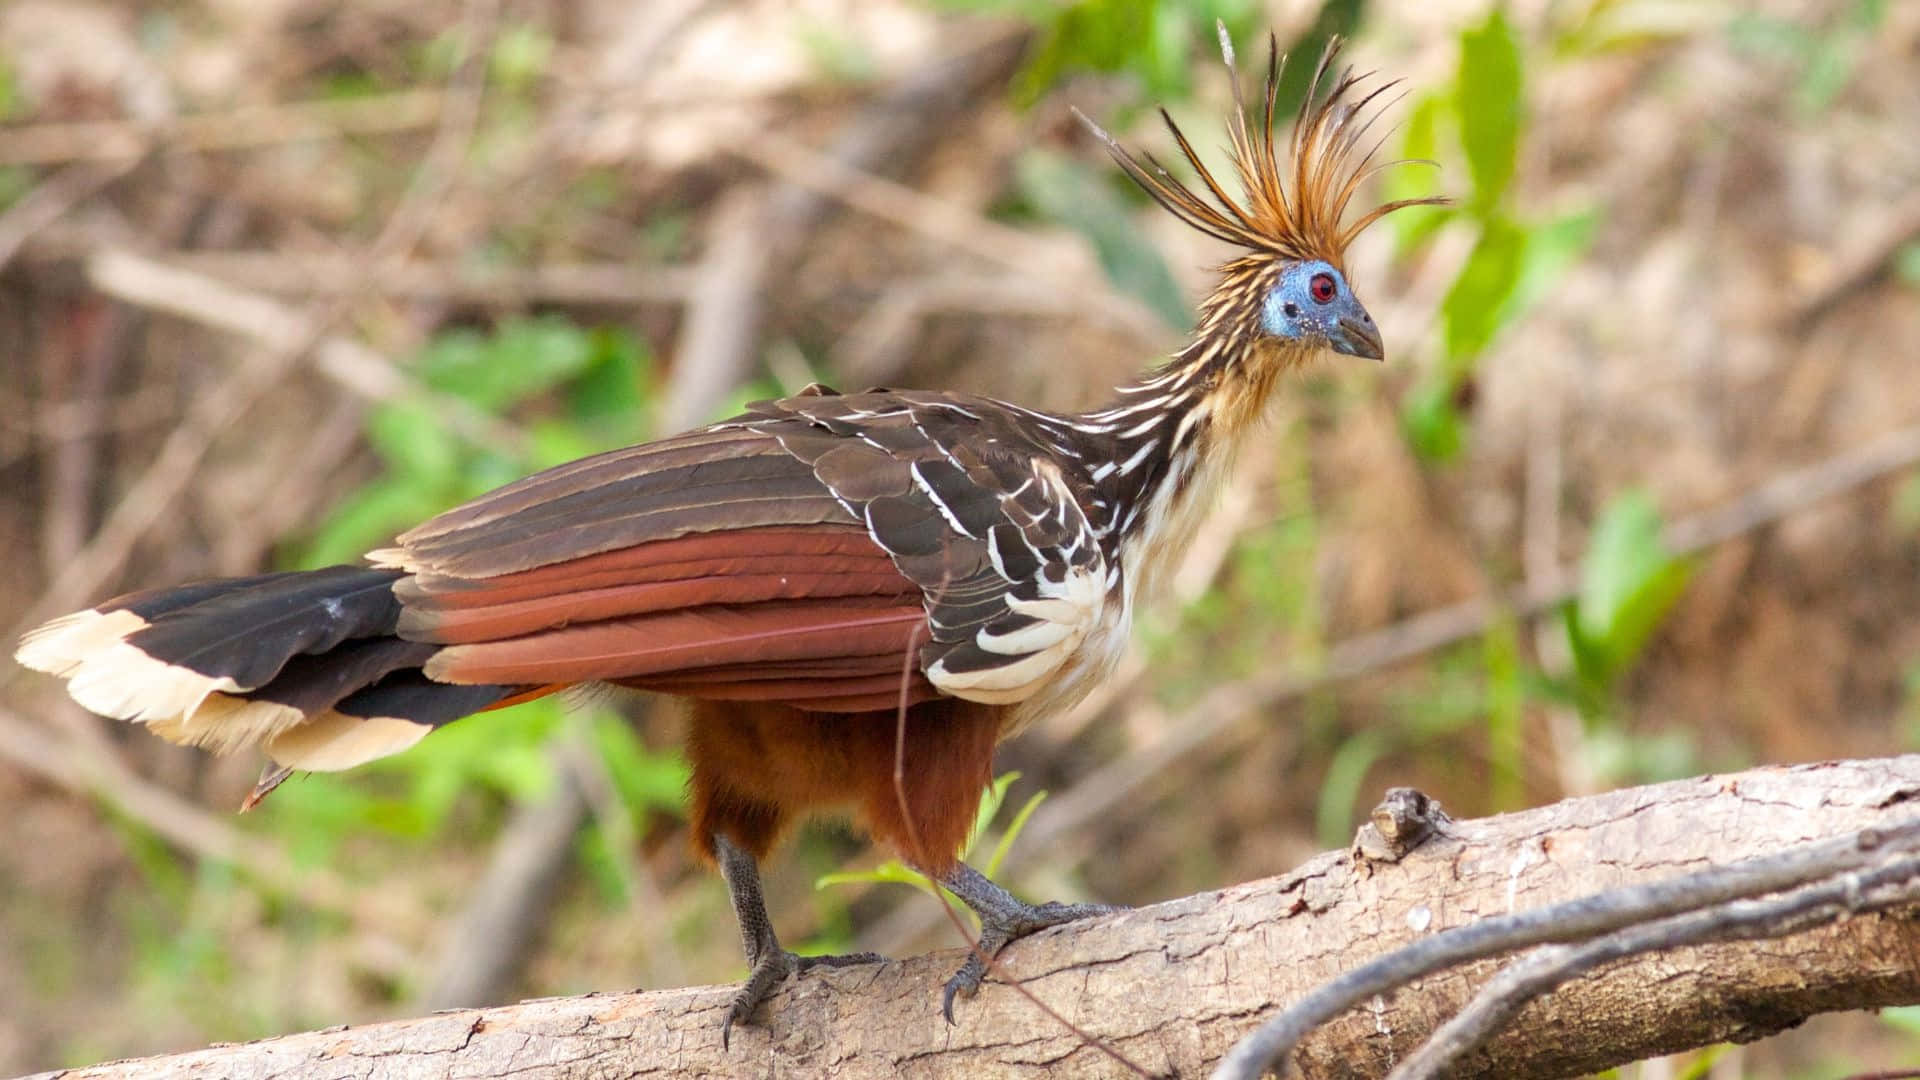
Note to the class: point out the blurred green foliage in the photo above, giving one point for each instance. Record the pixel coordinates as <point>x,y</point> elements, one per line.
<point>1061,189</point>
<point>1513,260</point>
<point>1628,584</point>
<point>838,55</point>
<point>1822,55</point>
<point>15,180</point>
<point>1490,101</point>
<point>1906,264</point>
<point>1153,40</point>
<point>596,382</point>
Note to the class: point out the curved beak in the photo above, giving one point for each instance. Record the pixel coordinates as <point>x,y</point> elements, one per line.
<point>1357,337</point>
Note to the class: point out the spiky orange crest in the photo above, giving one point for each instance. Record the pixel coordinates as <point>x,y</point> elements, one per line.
<point>1297,216</point>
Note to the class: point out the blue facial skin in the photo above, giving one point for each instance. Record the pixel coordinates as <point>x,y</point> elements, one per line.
<point>1334,319</point>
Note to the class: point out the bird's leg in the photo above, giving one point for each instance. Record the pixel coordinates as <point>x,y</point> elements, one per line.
<point>1003,918</point>
<point>767,962</point>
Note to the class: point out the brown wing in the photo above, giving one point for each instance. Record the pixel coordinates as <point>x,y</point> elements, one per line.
<point>713,564</point>
<point>794,554</point>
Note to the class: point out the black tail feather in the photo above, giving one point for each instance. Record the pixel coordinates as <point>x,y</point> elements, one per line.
<point>246,633</point>
<point>306,664</point>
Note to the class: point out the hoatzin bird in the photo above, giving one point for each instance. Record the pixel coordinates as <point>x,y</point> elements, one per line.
<point>811,575</point>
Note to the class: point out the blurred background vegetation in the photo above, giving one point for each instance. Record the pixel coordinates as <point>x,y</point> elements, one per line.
<point>1633,498</point>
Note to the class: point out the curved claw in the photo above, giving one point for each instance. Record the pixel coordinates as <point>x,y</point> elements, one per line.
<point>768,972</point>
<point>965,982</point>
<point>1004,920</point>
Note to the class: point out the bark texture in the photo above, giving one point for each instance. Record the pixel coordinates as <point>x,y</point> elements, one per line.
<point>1172,986</point>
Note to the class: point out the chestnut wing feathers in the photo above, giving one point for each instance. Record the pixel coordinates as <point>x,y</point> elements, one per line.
<point>984,530</point>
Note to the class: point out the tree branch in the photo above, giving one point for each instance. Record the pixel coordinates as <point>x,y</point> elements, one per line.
<point>1173,986</point>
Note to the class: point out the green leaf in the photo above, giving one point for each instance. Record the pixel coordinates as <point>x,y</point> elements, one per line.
<point>1063,190</point>
<point>647,780</point>
<point>1092,35</point>
<point>1646,609</point>
<point>521,52</point>
<point>838,54</point>
<point>1592,667</point>
<point>1336,18</point>
<point>522,358</point>
<point>1475,305</point>
<point>1420,141</point>
<point>502,752</point>
<point>1489,105</point>
<point>11,100</point>
<point>1906,264</point>
<point>603,866</point>
<point>1549,250</point>
<point>891,872</point>
<point>1340,791</point>
<point>365,520</point>
<point>1433,427</point>
<point>989,808</point>
<point>1628,583</point>
<point>1019,822</point>
<point>410,438</point>
<point>1506,703</point>
<point>616,388</point>
<point>1624,551</point>
<point>1633,25</point>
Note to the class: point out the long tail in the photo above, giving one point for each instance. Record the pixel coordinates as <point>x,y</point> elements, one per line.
<point>307,665</point>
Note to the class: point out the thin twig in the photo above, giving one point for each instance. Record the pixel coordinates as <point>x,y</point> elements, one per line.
<point>49,201</point>
<point>1530,977</point>
<point>157,286</point>
<point>1574,920</point>
<point>234,129</point>
<point>311,273</point>
<point>1859,268</point>
<point>946,223</point>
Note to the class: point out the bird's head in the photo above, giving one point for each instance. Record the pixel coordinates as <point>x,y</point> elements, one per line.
<point>1286,296</point>
<point>1312,304</point>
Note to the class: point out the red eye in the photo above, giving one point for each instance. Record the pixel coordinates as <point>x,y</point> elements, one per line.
<point>1322,288</point>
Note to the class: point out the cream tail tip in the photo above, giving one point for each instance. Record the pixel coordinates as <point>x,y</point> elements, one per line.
<point>62,645</point>
<point>123,682</point>
<point>333,741</point>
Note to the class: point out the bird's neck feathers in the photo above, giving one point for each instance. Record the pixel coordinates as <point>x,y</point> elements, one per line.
<point>1173,435</point>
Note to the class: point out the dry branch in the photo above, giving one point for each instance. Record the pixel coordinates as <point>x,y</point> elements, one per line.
<point>1174,985</point>
<point>233,129</point>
